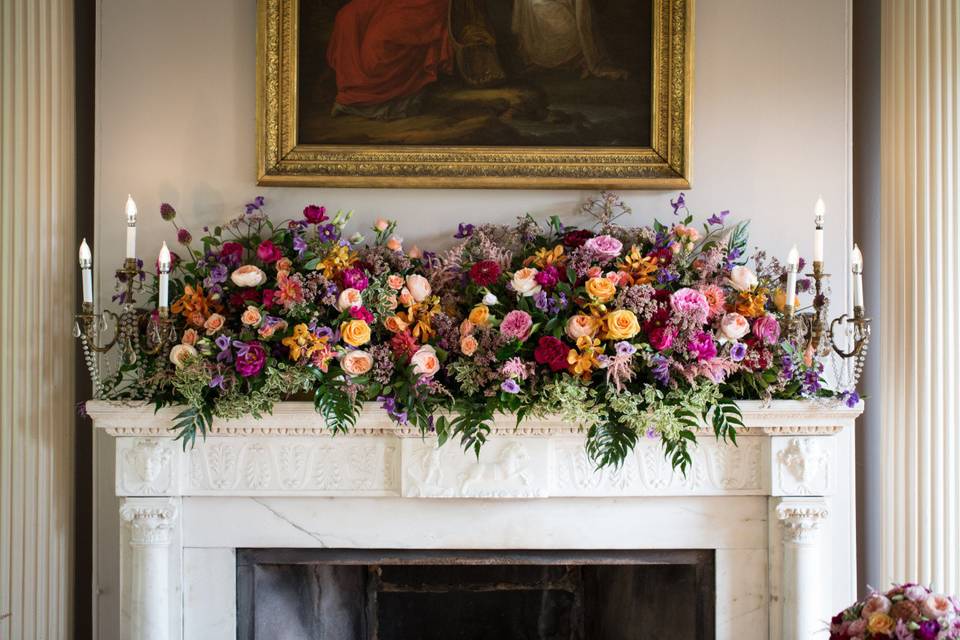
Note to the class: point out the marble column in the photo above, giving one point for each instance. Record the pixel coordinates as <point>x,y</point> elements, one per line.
<point>919,260</point>
<point>801,583</point>
<point>37,278</point>
<point>151,522</point>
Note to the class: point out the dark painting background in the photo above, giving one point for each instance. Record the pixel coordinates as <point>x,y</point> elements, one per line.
<point>531,108</point>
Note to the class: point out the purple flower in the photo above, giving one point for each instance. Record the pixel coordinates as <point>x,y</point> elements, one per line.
<point>183,236</point>
<point>624,348</point>
<point>299,245</point>
<point>738,351</point>
<point>328,232</point>
<point>218,274</point>
<point>354,278</point>
<point>928,630</point>
<point>665,275</point>
<point>852,398</point>
<point>216,382</point>
<point>510,386</point>
<point>463,231</point>
<point>660,368</point>
<point>250,359</point>
<point>717,218</point>
<point>811,381</point>
<point>389,404</point>
<point>167,212</point>
<point>541,301</point>
<point>678,204</point>
<point>255,205</point>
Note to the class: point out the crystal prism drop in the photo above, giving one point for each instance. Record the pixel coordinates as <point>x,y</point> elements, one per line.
<point>76,329</point>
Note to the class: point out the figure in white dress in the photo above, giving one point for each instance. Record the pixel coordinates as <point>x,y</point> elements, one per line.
<point>558,33</point>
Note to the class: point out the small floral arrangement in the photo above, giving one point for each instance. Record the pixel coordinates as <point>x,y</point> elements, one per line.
<point>629,332</point>
<point>905,612</point>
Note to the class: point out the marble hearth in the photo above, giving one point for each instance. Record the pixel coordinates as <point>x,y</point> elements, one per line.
<point>777,510</point>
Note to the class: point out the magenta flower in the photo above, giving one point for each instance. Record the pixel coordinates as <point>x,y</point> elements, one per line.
<point>250,358</point>
<point>314,214</point>
<point>661,338</point>
<point>354,278</point>
<point>548,278</point>
<point>516,324</point>
<point>269,252</point>
<point>767,329</point>
<point>702,346</point>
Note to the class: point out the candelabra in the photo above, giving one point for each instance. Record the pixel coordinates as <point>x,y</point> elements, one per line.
<point>99,333</point>
<point>809,328</point>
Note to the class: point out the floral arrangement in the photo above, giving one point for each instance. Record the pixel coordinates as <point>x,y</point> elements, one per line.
<point>630,332</point>
<point>905,612</point>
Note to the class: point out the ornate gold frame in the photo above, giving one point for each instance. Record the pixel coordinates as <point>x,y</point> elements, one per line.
<point>281,161</point>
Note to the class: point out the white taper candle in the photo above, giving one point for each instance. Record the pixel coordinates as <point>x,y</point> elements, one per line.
<point>131,212</point>
<point>164,264</point>
<point>819,210</point>
<point>793,262</point>
<point>856,266</point>
<point>86,271</point>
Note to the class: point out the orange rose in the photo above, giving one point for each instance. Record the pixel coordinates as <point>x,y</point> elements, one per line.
<point>601,289</point>
<point>395,244</point>
<point>284,265</point>
<point>251,317</point>
<point>395,324</point>
<point>189,337</point>
<point>468,345</point>
<point>480,315</point>
<point>355,333</point>
<point>214,323</point>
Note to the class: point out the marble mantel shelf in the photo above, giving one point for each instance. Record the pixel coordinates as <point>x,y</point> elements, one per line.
<point>782,451</point>
<point>777,509</point>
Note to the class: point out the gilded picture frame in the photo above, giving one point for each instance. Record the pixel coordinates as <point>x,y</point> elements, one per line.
<point>283,160</point>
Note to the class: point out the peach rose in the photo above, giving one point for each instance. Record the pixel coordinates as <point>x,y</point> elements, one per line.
<point>524,282</point>
<point>196,319</point>
<point>381,224</point>
<point>180,352</point>
<point>405,297</point>
<point>622,325</point>
<point>395,243</point>
<point>355,333</point>
<point>601,289</point>
<point>419,287</point>
<point>875,604</point>
<point>248,276</point>
<point>251,317</point>
<point>425,362</point>
<point>734,326</point>
<point>190,337</point>
<point>284,265</point>
<point>466,327</point>
<point>395,282</point>
<point>349,298</point>
<point>267,330</point>
<point>468,345</point>
<point>581,325</point>
<point>936,606</point>
<point>742,279</point>
<point>357,362</point>
<point>415,252</point>
<point>395,324</point>
<point>214,323</point>
<point>480,315</point>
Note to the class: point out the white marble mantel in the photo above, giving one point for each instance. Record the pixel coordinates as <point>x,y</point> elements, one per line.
<point>778,508</point>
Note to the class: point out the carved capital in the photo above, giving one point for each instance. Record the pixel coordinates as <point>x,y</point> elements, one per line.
<point>801,520</point>
<point>151,520</point>
<point>146,466</point>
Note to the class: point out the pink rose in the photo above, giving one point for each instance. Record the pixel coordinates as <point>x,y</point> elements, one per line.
<point>936,606</point>
<point>875,604</point>
<point>691,304</point>
<point>605,246</point>
<point>857,627</point>
<point>425,362</point>
<point>767,329</point>
<point>356,362</point>
<point>734,326</point>
<point>268,252</point>
<point>517,325</point>
<point>349,298</point>
<point>419,287</point>
<point>248,276</point>
<point>917,593</point>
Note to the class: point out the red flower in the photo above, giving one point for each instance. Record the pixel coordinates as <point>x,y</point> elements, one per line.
<point>361,313</point>
<point>241,298</point>
<point>551,352</point>
<point>663,256</point>
<point>576,238</point>
<point>403,346</point>
<point>231,252</point>
<point>269,252</point>
<point>485,272</point>
<point>315,214</point>
<point>268,298</point>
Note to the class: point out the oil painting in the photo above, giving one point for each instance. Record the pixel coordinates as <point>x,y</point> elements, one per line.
<point>569,93</point>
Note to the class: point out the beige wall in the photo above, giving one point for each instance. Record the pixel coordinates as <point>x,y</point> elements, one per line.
<point>175,122</point>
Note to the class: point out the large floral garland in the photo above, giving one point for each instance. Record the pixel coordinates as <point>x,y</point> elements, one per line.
<point>628,332</point>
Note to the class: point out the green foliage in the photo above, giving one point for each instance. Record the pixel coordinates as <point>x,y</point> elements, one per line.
<point>336,401</point>
<point>608,443</point>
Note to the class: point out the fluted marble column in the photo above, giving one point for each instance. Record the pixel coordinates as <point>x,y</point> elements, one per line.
<point>151,522</point>
<point>37,280</point>
<point>801,582</point>
<point>920,259</point>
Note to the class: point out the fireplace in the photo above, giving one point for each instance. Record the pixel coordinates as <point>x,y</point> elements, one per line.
<point>347,594</point>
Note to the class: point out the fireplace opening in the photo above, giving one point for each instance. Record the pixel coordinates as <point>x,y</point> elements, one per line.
<point>344,594</point>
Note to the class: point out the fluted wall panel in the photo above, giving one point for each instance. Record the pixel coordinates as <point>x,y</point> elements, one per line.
<point>920,241</point>
<point>37,276</point>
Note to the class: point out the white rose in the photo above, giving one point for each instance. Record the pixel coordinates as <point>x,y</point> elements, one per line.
<point>179,353</point>
<point>524,282</point>
<point>419,287</point>
<point>248,276</point>
<point>734,326</point>
<point>742,279</point>
<point>357,362</point>
<point>489,299</point>
<point>425,361</point>
<point>349,298</point>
